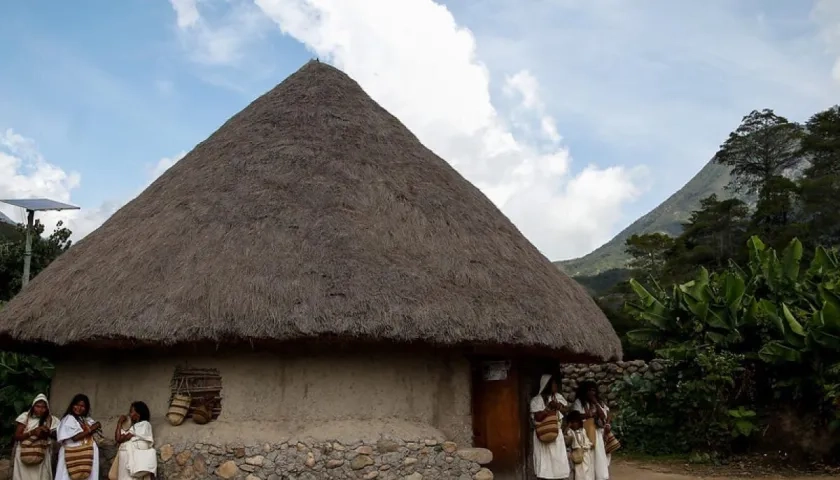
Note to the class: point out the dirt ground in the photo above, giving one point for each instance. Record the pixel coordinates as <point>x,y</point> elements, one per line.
<point>623,469</point>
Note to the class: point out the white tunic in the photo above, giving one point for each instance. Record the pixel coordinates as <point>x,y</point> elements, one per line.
<point>142,438</point>
<point>586,469</point>
<point>551,461</point>
<point>602,460</point>
<point>68,429</point>
<point>42,471</point>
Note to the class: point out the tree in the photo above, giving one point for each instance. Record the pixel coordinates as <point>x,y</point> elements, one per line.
<point>764,146</point>
<point>44,251</point>
<point>820,186</point>
<point>24,376</point>
<point>821,143</point>
<point>649,252</point>
<point>713,234</point>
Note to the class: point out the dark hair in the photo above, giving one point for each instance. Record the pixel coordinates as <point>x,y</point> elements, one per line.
<point>574,416</point>
<point>583,390</point>
<point>79,397</point>
<point>142,411</point>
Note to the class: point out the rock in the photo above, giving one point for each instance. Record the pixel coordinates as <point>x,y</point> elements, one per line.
<point>481,456</point>
<point>338,447</point>
<point>227,470</point>
<point>450,447</point>
<point>301,447</point>
<point>256,460</point>
<point>248,468</point>
<point>413,476</point>
<point>409,461</point>
<point>267,447</point>
<point>183,457</point>
<point>413,446</point>
<point>431,442</point>
<point>310,460</point>
<point>199,466</point>
<point>385,445</point>
<point>365,450</point>
<point>166,453</point>
<point>334,463</point>
<point>214,450</point>
<point>239,452</point>
<point>371,475</point>
<point>361,462</point>
<point>483,474</point>
<point>254,477</point>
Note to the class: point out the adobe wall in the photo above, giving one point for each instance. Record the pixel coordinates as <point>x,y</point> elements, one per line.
<point>272,399</point>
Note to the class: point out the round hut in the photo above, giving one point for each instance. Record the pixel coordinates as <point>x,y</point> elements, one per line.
<point>339,298</point>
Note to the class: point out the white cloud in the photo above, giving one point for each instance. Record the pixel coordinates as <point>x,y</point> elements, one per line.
<point>186,11</point>
<point>826,13</point>
<point>25,173</point>
<point>221,36</point>
<point>415,60</point>
<point>164,164</point>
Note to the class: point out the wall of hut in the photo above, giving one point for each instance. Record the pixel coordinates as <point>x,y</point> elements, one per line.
<point>270,398</point>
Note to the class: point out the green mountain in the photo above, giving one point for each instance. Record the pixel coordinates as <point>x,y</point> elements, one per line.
<point>666,218</point>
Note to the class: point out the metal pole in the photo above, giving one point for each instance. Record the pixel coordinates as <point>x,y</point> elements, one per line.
<point>27,253</point>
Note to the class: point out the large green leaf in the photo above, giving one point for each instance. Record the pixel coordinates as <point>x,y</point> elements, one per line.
<point>824,261</point>
<point>756,249</point>
<point>826,339</point>
<point>791,257</point>
<point>734,289</point>
<point>643,336</point>
<point>794,325</point>
<point>768,310</point>
<point>776,352</point>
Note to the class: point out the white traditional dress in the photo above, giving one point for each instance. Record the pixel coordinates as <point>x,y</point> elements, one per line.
<point>551,461</point>
<point>602,459</point>
<point>67,429</point>
<point>586,469</point>
<point>142,439</point>
<point>42,471</point>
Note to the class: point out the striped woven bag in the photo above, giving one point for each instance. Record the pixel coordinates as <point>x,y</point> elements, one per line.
<point>548,429</point>
<point>33,451</point>
<point>79,460</point>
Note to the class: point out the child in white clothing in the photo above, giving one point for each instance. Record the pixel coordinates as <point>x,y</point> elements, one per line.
<point>582,448</point>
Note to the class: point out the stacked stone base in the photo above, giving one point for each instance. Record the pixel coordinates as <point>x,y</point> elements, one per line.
<point>387,459</point>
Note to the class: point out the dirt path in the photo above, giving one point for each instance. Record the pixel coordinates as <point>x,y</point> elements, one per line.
<point>627,470</point>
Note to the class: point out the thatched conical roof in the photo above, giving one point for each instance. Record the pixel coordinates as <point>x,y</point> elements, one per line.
<point>312,213</point>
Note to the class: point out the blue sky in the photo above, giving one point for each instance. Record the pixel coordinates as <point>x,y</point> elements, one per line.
<point>574,116</point>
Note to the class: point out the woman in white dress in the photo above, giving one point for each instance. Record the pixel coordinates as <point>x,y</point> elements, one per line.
<point>590,405</point>
<point>76,427</point>
<point>138,438</point>
<point>551,461</point>
<point>35,424</point>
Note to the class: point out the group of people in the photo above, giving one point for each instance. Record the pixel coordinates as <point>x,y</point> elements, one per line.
<point>573,445</point>
<point>76,434</point>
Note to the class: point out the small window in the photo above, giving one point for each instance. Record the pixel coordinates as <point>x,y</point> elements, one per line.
<point>203,385</point>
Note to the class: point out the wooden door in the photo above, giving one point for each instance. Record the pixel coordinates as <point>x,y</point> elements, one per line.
<point>497,420</point>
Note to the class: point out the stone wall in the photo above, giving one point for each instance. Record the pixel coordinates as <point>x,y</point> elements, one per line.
<point>387,459</point>
<point>605,375</point>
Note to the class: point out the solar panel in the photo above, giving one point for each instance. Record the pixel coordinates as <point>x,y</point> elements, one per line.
<point>39,204</point>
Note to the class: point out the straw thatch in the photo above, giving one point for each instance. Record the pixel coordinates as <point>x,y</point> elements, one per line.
<point>311,213</point>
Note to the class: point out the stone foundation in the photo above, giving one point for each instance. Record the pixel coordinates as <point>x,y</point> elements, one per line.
<point>387,459</point>
<point>605,375</point>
